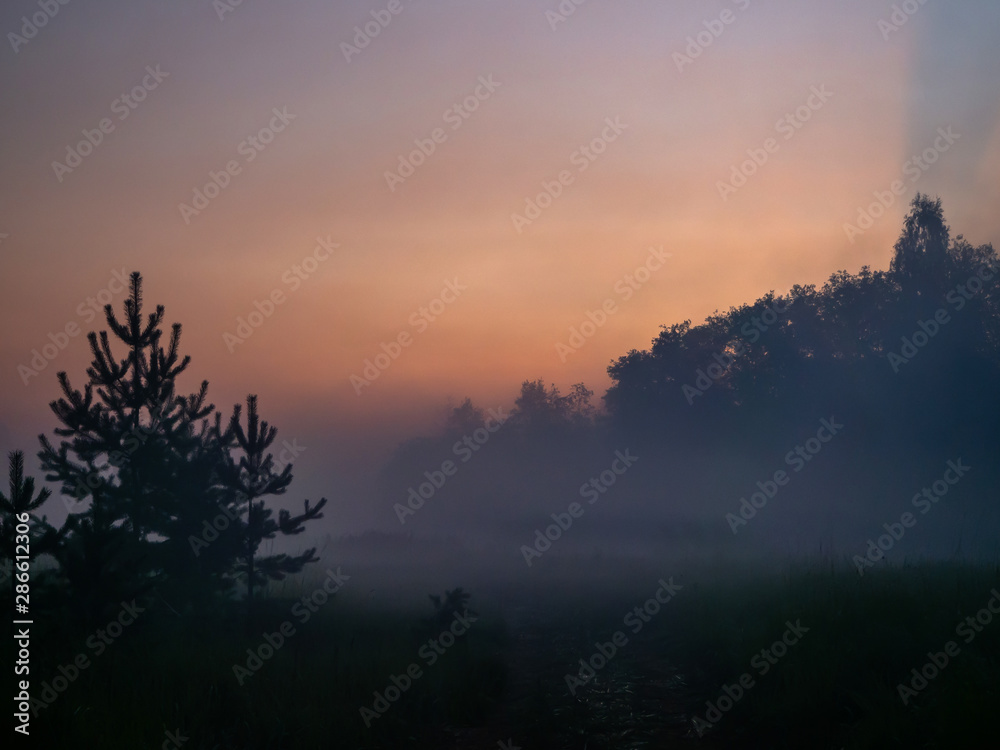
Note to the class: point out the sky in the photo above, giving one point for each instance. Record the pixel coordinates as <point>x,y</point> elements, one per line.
<point>470,179</point>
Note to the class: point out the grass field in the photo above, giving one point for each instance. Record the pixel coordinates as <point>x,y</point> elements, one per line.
<point>833,682</point>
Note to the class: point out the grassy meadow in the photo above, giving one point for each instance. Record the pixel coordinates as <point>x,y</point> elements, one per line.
<point>170,676</point>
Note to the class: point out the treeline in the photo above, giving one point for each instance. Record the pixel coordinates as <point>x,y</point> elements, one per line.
<point>907,359</point>
<point>908,353</point>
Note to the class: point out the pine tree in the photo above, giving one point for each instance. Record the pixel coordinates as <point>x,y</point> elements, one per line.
<point>250,477</point>
<point>42,537</point>
<point>132,441</point>
<point>166,503</point>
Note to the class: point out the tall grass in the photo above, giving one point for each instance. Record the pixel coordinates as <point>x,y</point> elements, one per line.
<point>836,688</point>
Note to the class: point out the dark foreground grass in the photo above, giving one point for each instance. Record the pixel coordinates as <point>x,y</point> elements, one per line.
<point>168,673</point>
<point>837,687</point>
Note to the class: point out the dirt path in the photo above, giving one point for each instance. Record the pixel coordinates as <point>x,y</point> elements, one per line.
<point>635,701</point>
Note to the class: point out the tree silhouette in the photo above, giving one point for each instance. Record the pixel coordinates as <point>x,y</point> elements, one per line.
<point>454,603</point>
<point>21,499</point>
<point>542,407</point>
<point>840,345</point>
<point>131,439</point>
<point>464,418</point>
<point>153,472</point>
<point>921,255</point>
<point>252,476</point>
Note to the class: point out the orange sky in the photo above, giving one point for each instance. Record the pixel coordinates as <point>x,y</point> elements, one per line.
<point>324,175</point>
